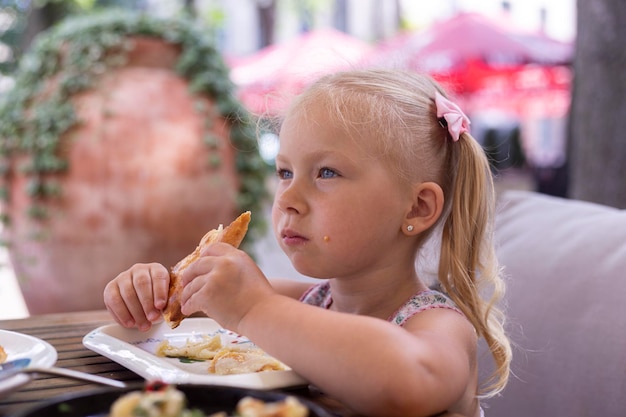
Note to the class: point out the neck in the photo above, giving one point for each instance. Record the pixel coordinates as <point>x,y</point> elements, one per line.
<point>375,297</point>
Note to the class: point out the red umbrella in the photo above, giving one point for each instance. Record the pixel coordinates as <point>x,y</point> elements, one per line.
<point>448,46</point>
<point>484,63</point>
<point>528,91</point>
<point>545,50</point>
<point>270,77</point>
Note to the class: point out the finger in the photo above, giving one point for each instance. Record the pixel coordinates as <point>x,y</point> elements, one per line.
<point>200,266</point>
<point>133,304</point>
<point>160,285</point>
<point>142,281</point>
<point>194,293</point>
<point>116,306</point>
<point>194,286</point>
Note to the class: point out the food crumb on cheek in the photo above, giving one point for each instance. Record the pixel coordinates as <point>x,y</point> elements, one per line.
<point>326,239</point>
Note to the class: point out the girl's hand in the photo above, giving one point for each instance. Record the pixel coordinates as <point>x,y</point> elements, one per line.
<point>224,283</point>
<point>136,297</point>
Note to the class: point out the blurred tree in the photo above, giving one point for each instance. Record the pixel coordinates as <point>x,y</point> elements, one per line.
<point>43,15</point>
<point>21,21</point>
<point>597,117</point>
<point>190,7</point>
<point>12,24</point>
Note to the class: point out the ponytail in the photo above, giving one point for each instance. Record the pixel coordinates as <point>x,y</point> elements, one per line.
<point>468,263</point>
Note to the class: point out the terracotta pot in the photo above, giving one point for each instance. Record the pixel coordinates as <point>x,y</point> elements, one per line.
<point>142,185</point>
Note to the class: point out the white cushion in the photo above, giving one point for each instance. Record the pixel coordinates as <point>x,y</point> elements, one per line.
<point>565,262</point>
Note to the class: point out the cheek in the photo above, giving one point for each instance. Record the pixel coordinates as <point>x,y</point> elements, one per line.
<point>358,229</point>
<point>344,254</point>
<point>275,215</point>
<point>343,234</point>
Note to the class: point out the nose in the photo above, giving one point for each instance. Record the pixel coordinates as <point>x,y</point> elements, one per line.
<point>290,198</point>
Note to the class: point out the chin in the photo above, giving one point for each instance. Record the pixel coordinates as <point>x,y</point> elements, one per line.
<point>306,269</point>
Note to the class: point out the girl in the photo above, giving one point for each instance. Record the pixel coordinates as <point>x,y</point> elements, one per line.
<point>371,164</point>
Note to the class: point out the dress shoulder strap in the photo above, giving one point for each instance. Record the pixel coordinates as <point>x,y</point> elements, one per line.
<point>422,301</point>
<point>319,295</point>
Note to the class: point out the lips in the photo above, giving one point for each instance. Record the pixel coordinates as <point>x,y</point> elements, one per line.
<point>291,237</point>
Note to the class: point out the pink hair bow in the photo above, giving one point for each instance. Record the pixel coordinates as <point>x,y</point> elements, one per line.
<point>457,122</point>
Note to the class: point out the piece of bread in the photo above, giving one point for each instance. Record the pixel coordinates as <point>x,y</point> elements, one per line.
<point>233,234</point>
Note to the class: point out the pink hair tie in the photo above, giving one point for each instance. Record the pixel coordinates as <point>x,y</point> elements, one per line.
<point>451,116</point>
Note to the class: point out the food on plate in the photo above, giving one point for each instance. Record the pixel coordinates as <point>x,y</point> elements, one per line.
<point>156,400</point>
<point>204,349</point>
<point>225,360</point>
<point>253,407</point>
<point>232,361</point>
<point>233,234</point>
<point>3,354</point>
<point>163,400</point>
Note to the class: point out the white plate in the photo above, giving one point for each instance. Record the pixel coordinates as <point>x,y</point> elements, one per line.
<point>19,345</point>
<point>135,350</point>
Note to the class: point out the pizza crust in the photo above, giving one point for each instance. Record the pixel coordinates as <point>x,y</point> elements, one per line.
<point>233,234</point>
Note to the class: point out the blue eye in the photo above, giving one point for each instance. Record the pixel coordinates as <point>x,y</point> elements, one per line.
<point>327,173</point>
<point>284,174</point>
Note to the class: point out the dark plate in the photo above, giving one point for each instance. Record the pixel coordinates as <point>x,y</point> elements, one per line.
<point>209,399</point>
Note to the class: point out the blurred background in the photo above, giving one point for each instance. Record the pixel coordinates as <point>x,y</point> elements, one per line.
<point>508,62</point>
<point>544,100</point>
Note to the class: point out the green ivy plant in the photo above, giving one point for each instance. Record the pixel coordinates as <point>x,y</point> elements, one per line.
<point>76,52</point>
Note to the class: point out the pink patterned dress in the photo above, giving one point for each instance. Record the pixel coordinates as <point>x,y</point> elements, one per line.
<point>319,295</point>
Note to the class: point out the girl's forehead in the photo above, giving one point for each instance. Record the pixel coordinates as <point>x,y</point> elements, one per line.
<point>323,120</point>
<point>318,119</point>
<point>314,145</point>
<point>306,113</point>
<point>318,129</point>
<point>306,123</point>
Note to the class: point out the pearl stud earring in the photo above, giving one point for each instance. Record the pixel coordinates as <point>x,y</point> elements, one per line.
<point>409,228</point>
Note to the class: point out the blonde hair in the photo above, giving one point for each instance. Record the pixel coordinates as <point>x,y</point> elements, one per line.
<point>397,110</point>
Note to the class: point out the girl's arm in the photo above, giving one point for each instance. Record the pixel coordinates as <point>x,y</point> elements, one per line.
<point>373,366</point>
<point>376,367</point>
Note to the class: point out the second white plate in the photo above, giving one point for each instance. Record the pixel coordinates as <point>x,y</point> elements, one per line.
<point>135,350</point>
<point>18,346</point>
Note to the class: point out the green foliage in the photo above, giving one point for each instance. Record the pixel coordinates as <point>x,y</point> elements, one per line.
<point>14,22</point>
<point>76,52</point>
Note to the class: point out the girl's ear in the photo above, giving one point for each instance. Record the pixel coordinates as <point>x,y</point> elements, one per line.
<point>426,209</point>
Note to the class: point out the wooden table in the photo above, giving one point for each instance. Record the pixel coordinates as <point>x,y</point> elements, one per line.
<point>65,331</point>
